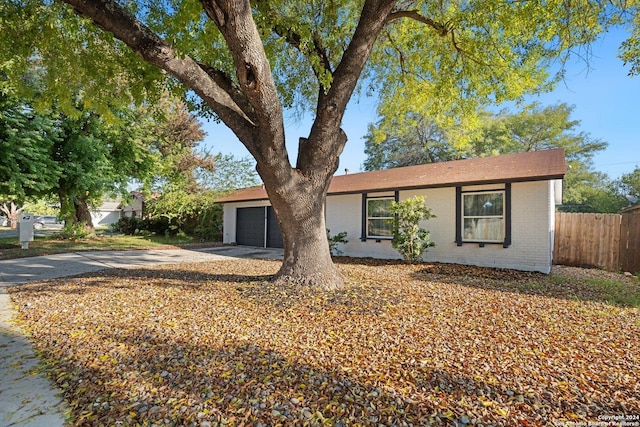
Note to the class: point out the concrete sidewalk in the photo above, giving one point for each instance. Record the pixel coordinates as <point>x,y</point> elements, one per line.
<point>27,398</point>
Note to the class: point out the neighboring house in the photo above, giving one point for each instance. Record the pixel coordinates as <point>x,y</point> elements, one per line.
<point>107,213</point>
<point>136,207</point>
<point>494,212</point>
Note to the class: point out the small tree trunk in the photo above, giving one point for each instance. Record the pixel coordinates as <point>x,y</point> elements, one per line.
<point>12,212</point>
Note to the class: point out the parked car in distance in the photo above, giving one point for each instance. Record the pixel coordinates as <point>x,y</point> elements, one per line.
<point>47,221</point>
<point>4,222</point>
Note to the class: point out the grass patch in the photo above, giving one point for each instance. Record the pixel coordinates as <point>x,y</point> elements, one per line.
<point>616,292</point>
<point>10,247</point>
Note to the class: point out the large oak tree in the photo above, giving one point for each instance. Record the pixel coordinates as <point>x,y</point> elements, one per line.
<point>248,61</point>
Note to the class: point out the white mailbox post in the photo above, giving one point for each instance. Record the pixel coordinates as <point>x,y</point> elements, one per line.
<point>25,229</point>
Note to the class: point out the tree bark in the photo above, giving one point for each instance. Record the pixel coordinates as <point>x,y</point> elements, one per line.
<point>299,205</point>
<point>11,212</point>
<point>83,213</point>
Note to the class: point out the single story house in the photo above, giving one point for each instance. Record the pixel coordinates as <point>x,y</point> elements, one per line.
<point>135,208</point>
<point>107,213</point>
<point>493,212</point>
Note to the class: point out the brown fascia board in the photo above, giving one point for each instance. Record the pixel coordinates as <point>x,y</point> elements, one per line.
<point>520,167</point>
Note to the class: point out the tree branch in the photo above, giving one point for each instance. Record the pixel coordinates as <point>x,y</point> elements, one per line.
<point>110,16</point>
<point>295,39</point>
<point>235,21</point>
<point>326,139</point>
<point>441,28</point>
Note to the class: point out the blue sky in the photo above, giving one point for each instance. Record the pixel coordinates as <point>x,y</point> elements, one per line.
<point>606,103</point>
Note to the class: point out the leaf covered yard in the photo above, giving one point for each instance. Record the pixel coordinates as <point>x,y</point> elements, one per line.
<point>425,344</point>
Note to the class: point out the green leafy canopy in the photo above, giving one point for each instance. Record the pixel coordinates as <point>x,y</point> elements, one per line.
<point>448,57</point>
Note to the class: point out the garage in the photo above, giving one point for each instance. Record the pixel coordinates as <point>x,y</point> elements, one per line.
<point>257,226</point>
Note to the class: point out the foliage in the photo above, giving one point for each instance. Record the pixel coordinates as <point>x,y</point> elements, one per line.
<point>230,174</point>
<point>409,238</point>
<point>629,185</point>
<point>177,134</point>
<point>413,139</point>
<point>630,48</point>
<point>187,212</point>
<point>409,140</point>
<point>334,241</point>
<point>47,205</point>
<point>589,191</point>
<point>76,231</point>
<point>128,225</point>
<point>424,344</point>
<point>26,142</point>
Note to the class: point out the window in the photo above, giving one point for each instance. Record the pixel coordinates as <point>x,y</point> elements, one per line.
<point>483,217</point>
<point>379,218</point>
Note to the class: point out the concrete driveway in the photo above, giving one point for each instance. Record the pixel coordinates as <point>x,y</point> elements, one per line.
<point>27,398</point>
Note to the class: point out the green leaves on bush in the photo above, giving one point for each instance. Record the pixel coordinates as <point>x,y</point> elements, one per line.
<point>408,238</point>
<point>335,240</point>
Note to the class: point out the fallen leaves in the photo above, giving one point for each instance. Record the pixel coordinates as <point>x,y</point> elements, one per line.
<point>218,344</point>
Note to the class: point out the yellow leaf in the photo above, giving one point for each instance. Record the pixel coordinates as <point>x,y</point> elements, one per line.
<point>501,412</point>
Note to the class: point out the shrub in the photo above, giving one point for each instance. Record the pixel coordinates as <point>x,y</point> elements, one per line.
<point>129,225</point>
<point>408,238</point>
<point>76,231</point>
<point>335,240</point>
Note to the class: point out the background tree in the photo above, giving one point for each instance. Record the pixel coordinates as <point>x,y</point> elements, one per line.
<point>247,61</point>
<point>26,142</point>
<point>178,133</point>
<point>230,174</point>
<point>629,185</point>
<point>530,129</point>
<point>414,140</point>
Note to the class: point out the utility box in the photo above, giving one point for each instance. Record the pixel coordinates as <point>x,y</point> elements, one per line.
<point>25,229</point>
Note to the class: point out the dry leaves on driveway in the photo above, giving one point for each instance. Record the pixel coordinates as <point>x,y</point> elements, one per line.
<point>217,344</point>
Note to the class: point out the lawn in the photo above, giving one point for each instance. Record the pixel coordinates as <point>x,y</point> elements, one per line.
<point>10,247</point>
<point>427,344</point>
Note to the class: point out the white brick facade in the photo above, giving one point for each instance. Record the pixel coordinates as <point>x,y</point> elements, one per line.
<point>532,226</point>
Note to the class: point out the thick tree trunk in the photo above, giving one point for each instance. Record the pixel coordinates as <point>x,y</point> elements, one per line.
<point>83,214</point>
<point>250,106</point>
<point>11,212</point>
<point>307,259</point>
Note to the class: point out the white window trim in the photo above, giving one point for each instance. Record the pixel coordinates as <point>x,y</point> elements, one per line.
<point>391,217</point>
<point>502,217</point>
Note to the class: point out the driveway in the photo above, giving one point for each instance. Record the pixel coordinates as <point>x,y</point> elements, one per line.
<point>27,397</point>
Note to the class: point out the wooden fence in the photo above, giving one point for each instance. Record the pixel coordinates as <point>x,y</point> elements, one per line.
<point>607,241</point>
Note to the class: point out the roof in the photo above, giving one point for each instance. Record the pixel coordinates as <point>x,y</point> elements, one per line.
<point>530,166</point>
<point>109,205</point>
<point>631,209</point>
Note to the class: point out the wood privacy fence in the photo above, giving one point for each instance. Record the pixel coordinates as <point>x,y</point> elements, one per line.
<point>607,241</point>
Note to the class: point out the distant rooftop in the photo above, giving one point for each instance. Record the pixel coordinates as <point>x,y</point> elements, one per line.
<point>530,166</point>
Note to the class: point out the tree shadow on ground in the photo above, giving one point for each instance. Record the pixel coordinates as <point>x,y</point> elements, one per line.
<point>179,382</point>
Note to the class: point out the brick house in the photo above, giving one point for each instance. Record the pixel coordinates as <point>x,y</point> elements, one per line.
<point>493,212</point>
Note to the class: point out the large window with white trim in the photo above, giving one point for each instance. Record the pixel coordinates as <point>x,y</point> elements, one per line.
<point>483,216</point>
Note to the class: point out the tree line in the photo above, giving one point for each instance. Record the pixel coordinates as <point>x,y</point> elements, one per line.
<point>413,138</point>
<point>75,160</point>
